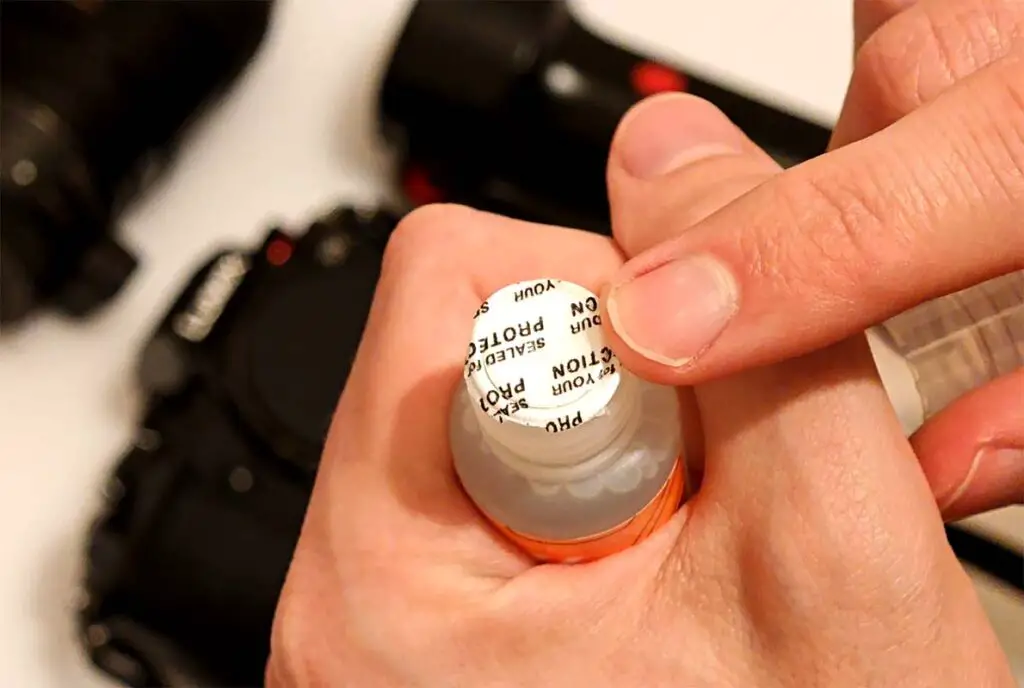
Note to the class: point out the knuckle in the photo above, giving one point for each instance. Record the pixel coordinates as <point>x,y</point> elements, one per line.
<point>428,231</point>
<point>928,48</point>
<point>888,66</point>
<point>850,218</point>
<point>874,6</point>
<point>843,232</point>
<point>869,15</point>
<point>881,208</point>
<point>686,197</point>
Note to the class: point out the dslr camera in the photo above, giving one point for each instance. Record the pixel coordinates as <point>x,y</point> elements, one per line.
<point>511,107</point>
<point>241,376</point>
<point>96,96</point>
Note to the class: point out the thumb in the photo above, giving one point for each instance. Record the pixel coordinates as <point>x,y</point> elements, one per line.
<point>675,160</point>
<point>677,157</point>
<point>783,441</point>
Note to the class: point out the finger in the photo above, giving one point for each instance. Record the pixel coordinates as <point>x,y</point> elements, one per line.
<point>914,55</point>
<point>675,160</point>
<point>815,432</point>
<point>676,155</point>
<point>812,498</point>
<point>926,207</point>
<point>973,450</point>
<point>680,156</point>
<point>813,501</point>
<point>386,484</point>
<point>870,15</point>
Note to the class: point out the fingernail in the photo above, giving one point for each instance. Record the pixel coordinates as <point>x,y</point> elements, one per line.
<point>666,132</point>
<point>994,479</point>
<point>673,313</point>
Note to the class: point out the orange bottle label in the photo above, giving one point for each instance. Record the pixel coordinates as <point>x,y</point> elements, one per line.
<point>657,512</point>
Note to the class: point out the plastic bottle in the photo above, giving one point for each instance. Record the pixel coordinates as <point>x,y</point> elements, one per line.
<point>569,455</point>
<point>940,350</point>
<point>573,458</point>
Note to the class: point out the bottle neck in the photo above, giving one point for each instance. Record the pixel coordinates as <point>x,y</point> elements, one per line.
<point>563,451</point>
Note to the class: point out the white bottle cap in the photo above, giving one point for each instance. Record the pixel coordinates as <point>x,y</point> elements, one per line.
<point>546,387</point>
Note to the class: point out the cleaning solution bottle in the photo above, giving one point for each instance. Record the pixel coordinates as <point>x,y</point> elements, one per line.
<point>940,350</point>
<point>569,455</point>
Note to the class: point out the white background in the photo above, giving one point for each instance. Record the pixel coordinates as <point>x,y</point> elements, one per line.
<point>295,136</point>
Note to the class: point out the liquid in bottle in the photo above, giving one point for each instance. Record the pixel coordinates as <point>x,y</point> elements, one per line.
<point>569,455</point>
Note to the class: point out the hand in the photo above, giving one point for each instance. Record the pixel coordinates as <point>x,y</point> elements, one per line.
<point>922,195</point>
<point>813,554</point>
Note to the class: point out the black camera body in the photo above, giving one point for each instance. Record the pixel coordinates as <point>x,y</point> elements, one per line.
<point>186,563</point>
<point>511,107</point>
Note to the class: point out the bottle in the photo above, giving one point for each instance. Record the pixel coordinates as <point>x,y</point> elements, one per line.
<point>568,455</point>
<point>940,350</point>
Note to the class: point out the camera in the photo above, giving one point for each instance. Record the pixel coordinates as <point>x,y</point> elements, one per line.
<point>186,562</point>
<point>511,107</point>
<point>95,95</point>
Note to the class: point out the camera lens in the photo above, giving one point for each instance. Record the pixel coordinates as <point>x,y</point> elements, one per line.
<point>93,93</point>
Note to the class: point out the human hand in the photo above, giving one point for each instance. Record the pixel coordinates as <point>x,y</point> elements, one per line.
<point>921,195</point>
<point>812,555</point>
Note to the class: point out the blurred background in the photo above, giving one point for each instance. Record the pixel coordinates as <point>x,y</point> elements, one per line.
<point>296,134</point>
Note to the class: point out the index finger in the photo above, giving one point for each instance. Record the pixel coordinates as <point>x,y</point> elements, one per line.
<point>870,15</point>
<point>923,208</point>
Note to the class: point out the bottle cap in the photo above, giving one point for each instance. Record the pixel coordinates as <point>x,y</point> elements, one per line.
<point>542,379</point>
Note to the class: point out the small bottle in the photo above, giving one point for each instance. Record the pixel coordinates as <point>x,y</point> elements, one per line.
<point>932,354</point>
<point>569,455</point>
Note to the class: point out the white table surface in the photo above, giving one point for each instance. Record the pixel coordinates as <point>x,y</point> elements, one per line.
<point>297,135</point>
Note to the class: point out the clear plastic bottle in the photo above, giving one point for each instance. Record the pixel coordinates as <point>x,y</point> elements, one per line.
<point>570,456</point>
<point>942,349</point>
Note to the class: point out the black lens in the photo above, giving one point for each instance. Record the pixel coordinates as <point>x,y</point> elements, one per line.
<point>93,95</point>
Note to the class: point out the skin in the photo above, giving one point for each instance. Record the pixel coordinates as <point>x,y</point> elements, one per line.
<point>920,196</point>
<point>813,554</point>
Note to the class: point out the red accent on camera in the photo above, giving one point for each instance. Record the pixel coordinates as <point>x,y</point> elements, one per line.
<point>279,251</point>
<point>649,78</point>
<point>419,188</point>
